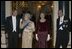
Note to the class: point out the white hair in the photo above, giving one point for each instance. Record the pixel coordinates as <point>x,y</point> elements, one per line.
<point>27,14</point>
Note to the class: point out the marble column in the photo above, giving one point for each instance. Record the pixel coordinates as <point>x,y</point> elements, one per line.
<point>55,16</point>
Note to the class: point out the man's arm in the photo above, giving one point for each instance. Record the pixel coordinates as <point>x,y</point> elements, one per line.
<point>6,27</point>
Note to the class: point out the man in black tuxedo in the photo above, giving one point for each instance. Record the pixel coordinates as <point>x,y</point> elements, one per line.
<point>63,29</point>
<point>12,29</point>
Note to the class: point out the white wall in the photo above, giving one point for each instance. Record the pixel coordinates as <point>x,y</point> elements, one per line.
<point>8,8</point>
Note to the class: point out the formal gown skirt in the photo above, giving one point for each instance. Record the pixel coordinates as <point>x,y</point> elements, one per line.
<point>27,40</point>
<point>42,43</point>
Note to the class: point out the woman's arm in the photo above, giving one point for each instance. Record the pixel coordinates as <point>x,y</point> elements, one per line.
<point>33,26</point>
<point>21,24</point>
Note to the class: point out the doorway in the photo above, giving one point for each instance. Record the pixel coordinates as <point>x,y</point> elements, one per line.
<point>35,7</point>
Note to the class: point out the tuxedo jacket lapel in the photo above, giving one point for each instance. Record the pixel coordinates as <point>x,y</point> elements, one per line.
<point>11,22</point>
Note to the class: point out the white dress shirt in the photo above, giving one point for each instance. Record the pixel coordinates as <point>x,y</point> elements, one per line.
<point>14,23</point>
<point>61,21</point>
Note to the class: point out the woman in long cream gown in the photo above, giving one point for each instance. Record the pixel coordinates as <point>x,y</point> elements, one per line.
<point>27,34</point>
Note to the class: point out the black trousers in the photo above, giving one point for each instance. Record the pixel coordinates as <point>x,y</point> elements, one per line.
<point>62,39</point>
<point>12,40</point>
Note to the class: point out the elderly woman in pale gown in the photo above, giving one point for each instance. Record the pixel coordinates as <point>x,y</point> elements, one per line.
<point>28,29</point>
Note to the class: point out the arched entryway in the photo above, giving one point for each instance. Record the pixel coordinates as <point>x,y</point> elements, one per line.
<point>35,7</point>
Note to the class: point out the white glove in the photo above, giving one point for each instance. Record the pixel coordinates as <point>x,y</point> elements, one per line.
<point>48,38</point>
<point>36,37</point>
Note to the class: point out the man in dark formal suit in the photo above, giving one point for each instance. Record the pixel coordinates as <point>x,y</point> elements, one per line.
<point>63,29</point>
<point>12,29</point>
